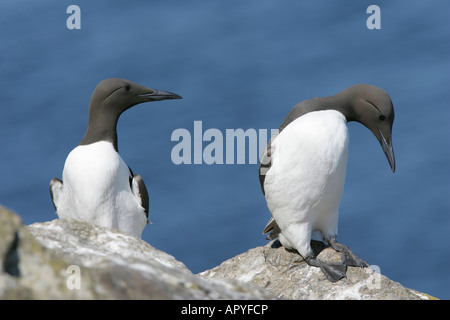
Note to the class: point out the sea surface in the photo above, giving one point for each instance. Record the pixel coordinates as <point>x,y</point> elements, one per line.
<point>238,65</point>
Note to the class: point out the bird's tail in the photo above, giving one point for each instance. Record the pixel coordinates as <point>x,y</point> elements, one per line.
<point>273,228</point>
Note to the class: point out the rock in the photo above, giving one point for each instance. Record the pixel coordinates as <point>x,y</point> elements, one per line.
<point>76,260</point>
<point>285,275</point>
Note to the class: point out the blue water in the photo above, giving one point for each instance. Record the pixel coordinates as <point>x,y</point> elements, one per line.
<point>238,64</point>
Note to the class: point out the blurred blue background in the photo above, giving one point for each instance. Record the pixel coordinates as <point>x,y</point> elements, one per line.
<point>238,64</point>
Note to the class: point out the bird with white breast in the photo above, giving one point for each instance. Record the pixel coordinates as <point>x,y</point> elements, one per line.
<point>302,170</point>
<point>97,186</point>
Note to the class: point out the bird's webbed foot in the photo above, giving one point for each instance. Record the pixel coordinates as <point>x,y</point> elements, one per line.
<point>333,272</point>
<point>348,257</point>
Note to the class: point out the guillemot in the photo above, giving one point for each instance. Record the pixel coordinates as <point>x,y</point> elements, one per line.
<point>302,170</point>
<point>97,186</point>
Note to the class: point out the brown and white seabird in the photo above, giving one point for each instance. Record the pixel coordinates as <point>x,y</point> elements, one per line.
<point>97,186</point>
<point>302,170</point>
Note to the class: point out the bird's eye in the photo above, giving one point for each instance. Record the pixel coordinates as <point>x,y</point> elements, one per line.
<point>127,87</point>
<point>382,118</point>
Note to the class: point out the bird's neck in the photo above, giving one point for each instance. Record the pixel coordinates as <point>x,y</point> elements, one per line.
<point>101,127</point>
<point>344,102</point>
<point>337,102</point>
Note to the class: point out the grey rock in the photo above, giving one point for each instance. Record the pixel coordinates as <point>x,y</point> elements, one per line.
<point>285,275</point>
<point>75,260</point>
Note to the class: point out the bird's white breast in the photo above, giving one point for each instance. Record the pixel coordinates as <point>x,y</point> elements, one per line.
<point>306,179</point>
<point>96,189</point>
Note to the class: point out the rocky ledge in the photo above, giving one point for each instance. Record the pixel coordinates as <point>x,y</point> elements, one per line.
<point>75,260</point>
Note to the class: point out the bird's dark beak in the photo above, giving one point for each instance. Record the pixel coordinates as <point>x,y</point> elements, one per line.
<point>388,150</point>
<point>157,95</point>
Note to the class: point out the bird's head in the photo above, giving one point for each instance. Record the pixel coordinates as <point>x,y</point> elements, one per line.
<point>118,95</point>
<point>372,107</point>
